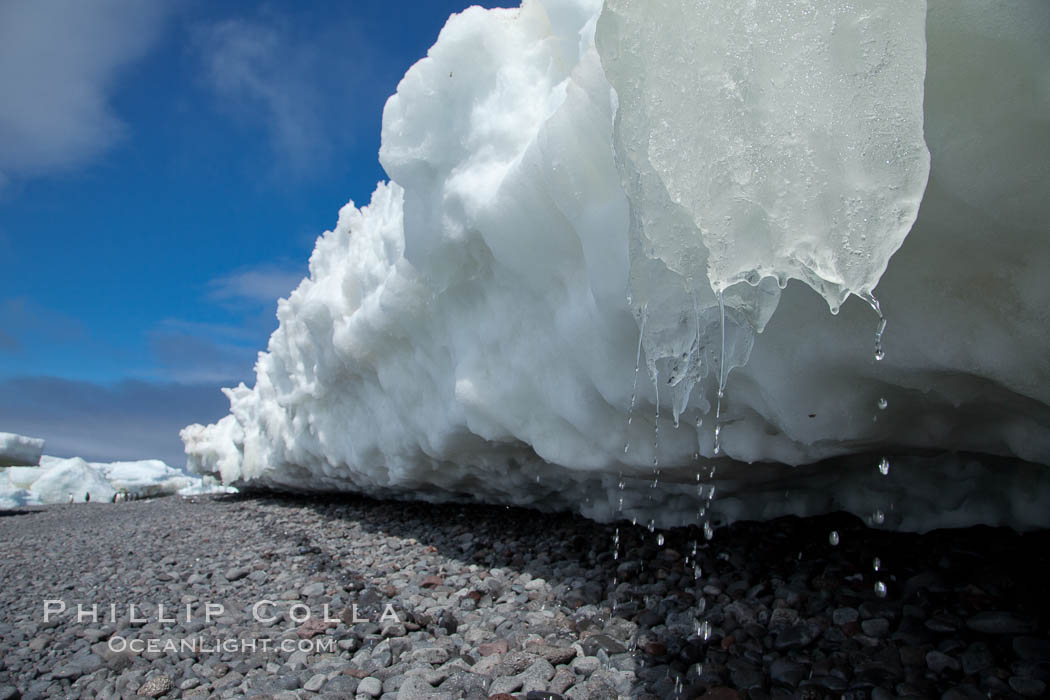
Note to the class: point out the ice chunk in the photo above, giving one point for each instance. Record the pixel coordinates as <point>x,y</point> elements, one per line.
<point>18,450</point>
<point>62,478</point>
<point>149,477</point>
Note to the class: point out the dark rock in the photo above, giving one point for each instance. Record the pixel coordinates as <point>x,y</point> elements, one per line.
<point>976,658</point>
<point>1032,649</point>
<point>592,644</point>
<point>786,672</point>
<point>938,662</point>
<point>797,637</point>
<point>1028,687</point>
<point>1000,622</point>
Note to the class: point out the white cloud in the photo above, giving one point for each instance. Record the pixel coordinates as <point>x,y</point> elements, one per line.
<point>300,77</point>
<point>258,72</point>
<point>264,283</point>
<point>59,64</point>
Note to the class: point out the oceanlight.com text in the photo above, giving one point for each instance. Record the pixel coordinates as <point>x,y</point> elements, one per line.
<point>200,645</point>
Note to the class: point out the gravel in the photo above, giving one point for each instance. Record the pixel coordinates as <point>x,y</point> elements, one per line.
<point>282,597</point>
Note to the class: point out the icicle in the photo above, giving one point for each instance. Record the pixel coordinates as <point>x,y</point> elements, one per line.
<point>634,388</point>
<point>721,374</point>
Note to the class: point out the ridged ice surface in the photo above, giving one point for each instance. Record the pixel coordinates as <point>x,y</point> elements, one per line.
<point>473,332</point>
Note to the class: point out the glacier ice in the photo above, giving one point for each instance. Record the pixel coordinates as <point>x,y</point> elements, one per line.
<point>19,449</point>
<point>566,174</point>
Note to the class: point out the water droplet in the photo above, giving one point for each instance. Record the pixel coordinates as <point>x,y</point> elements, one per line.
<point>697,572</point>
<point>880,589</point>
<point>709,531</point>
<point>878,517</point>
<point>626,446</point>
<point>616,554</point>
<point>884,466</point>
<point>833,538</point>
<point>883,403</point>
<point>537,478</point>
<point>879,355</point>
<point>704,631</point>
<point>622,484</point>
<point>660,539</point>
<point>876,564</point>
<point>652,526</point>
<point>634,520</point>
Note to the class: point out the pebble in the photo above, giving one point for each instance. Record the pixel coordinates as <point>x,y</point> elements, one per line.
<point>493,600</point>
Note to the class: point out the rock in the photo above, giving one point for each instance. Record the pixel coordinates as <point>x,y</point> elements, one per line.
<point>876,627</point>
<point>499,646</point>
<point>9,692</point>
<point>432,581</point>
<point>342,685</point>
<point>1000,622</point>
<point>782,618</point>
<point>586,665</point>
<point>156,686</point>
<point>1032,649</point>
<point>555,655</point>
<point>370,686</point>
<point>1028,687</point>
<point>237,573</point>
<point>311,590</point>
<point>592,644</point>
<point>797,637</point>
<point>976,658</point>
<point>312,627</point>
<point>786,672</point>
<point>315,683</point>
<point>721,693</point>
<point>842,616</point>
<point>938,662</point>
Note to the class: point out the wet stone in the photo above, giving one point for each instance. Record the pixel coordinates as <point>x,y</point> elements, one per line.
<point>1028,687</point>
<point>1000,622</point>
<point>938,662</point>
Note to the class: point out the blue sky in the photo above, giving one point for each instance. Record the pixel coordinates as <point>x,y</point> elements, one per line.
<point>165,168</point>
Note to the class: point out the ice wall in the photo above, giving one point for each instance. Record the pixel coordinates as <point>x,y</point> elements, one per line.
<point>467,335</point>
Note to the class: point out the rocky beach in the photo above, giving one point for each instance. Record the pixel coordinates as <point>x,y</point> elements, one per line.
<point>277,596</point>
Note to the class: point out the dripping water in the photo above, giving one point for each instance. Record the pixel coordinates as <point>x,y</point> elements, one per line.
<point>881,327</point>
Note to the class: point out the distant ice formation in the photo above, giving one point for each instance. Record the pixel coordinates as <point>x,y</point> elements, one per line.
<point>19,449</point>
<point>599,247</point>
<point>45,480</point>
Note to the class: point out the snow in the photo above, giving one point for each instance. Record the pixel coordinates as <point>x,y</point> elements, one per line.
<point>468,334</point>
<point>19,449</point>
